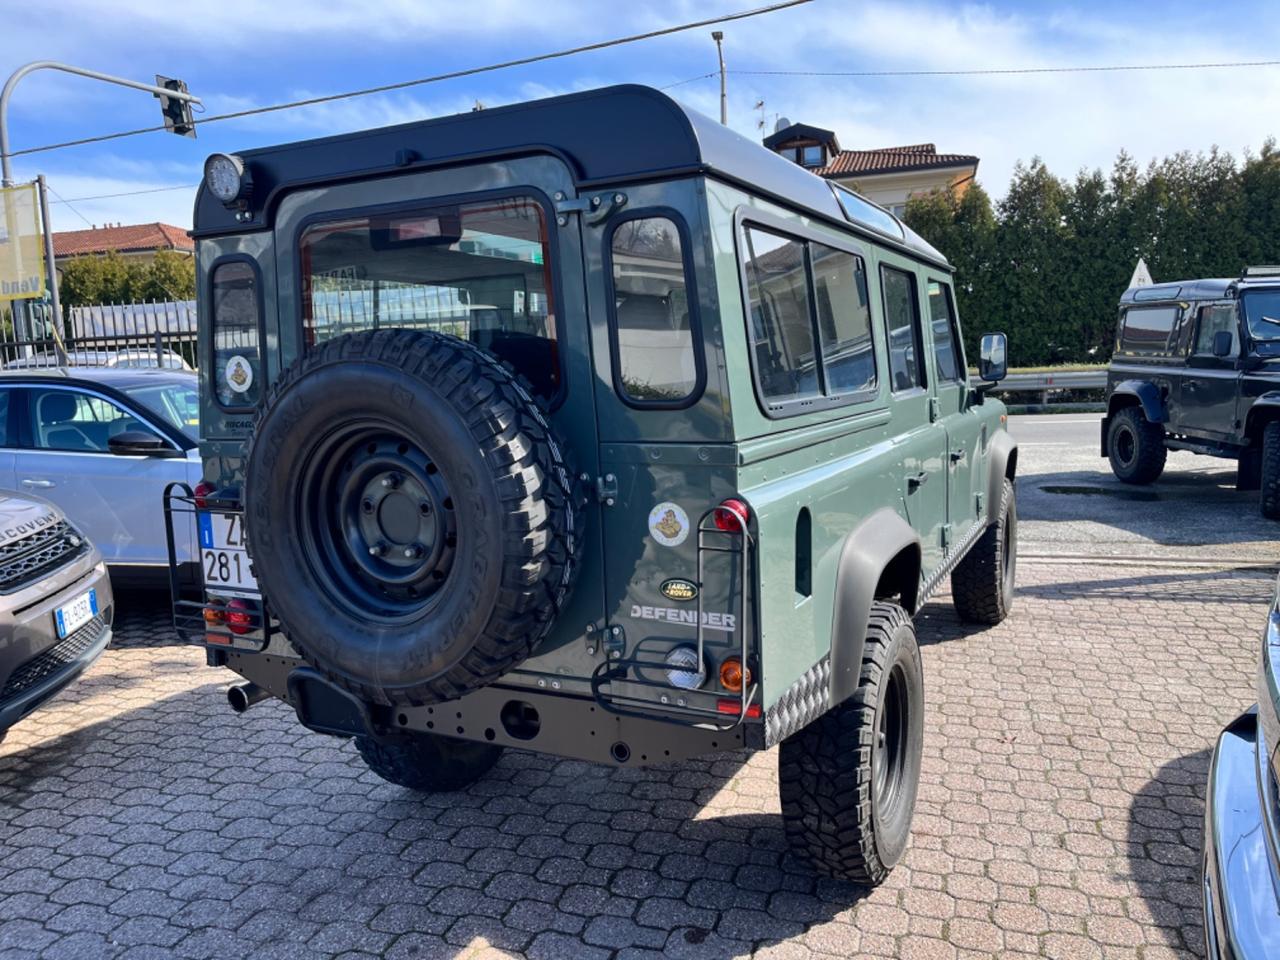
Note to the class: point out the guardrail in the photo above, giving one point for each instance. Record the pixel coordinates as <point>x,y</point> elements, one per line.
<point>1046,383</point>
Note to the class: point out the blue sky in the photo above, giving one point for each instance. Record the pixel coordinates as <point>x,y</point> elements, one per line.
<point>240,53</point>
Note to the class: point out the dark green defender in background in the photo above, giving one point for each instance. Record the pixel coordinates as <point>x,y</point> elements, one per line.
<point>587,426</point>
<point>1197,367</point>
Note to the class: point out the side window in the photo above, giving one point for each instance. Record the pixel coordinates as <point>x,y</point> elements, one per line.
<point>942,319</point>
<point>781,330</point>
<point>1147,329</point>
<point>74,421</point>
<point>1214,319</point>
<point>844,320</point>
<point>237,361</point>
<point>902,323</point>
<point>654,329</point>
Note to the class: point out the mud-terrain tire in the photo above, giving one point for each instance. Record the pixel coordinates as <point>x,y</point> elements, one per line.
<point>1135,447</point>
<point>428,763</point>
<point>1271,471</point>
<point>982,583</point>
<point>848,781</point>
<point>409,514</point>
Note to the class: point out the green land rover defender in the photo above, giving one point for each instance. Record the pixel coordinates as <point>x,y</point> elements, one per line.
<point>587,426</point>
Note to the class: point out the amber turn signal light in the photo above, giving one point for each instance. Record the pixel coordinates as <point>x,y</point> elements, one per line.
<point>733,675</point>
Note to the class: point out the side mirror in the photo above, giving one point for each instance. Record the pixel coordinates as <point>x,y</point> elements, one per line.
<point>140,443</point>
<point>993,364</point>
<point>1222,343</point>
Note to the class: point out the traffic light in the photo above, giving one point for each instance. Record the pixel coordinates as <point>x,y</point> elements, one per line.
<point>177,113</point>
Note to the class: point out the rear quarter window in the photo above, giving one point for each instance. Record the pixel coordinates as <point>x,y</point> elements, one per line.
<point>1145,330</point>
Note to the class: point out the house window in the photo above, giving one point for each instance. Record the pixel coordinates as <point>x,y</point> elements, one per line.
<point>812,155</point>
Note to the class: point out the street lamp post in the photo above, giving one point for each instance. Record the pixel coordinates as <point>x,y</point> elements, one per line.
<point>718,37</point>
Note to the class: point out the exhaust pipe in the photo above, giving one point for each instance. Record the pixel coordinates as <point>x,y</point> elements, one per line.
<point>244,695</point>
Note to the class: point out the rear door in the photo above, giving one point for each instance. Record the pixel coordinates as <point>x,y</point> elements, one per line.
<point>921,439</point>
<point>478,252</point>
<point>962,424</point>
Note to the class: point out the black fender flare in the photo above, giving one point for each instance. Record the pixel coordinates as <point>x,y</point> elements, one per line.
<point>1001,451</point>
<point>867,552</point>
<point>1147,395</point>
<point>1264,409</point>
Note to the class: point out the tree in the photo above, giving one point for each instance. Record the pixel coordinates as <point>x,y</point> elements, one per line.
<point>111,278</point>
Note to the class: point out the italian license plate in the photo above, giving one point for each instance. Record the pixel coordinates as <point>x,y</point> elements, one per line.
<point>74,615</point>
<point>223,558</point>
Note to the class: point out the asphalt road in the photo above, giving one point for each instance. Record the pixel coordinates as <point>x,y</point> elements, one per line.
<point>1070,503</point>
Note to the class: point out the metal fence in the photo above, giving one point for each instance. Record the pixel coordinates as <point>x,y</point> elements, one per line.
<point>150,334</point>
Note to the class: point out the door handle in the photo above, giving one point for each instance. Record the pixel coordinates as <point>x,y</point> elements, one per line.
<point>916,480</point>
<point>957,455</point>
<point>39,484</point>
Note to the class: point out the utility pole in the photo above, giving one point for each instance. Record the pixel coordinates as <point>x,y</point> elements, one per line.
<point>55,322</point>
<point>175,104</point>
<point>718,37</point>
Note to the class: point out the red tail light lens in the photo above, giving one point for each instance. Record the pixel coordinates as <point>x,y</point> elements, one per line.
<point>240,616</point>
<point>203,491</point>
<point>732,516</point>
<point>735,707</point>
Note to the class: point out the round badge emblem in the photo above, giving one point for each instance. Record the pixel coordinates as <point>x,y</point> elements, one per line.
<point>239,374</point>
<point>669,524</point>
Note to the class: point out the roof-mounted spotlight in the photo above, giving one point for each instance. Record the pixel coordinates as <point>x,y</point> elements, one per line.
<point>227,179</point>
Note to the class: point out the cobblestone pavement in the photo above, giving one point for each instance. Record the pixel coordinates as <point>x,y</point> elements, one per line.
<point>1060,813</point>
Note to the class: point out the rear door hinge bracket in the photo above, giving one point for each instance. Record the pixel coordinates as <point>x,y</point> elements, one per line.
<point>615,642</point>
<point>607,489</point>
<point>594,207</point>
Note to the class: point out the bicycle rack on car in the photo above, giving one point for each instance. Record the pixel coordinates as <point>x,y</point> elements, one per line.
<point>705,708</point>
<point>225,619</point>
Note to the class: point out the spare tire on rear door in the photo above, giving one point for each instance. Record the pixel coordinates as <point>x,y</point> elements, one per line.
<point>410,515</point>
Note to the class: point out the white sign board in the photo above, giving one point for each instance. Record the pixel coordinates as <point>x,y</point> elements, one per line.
<point>1141,275</point>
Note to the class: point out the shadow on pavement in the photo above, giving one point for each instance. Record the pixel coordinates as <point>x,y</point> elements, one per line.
<point>252,836</point>
<point>1219,586</point>
<point>1165,836</point>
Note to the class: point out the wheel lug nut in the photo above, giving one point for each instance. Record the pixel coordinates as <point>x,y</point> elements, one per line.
<point>413,552</point>
<point>378,549</point>
<point>366,505</point>
<point>391,481</point>
<point>424,508</point>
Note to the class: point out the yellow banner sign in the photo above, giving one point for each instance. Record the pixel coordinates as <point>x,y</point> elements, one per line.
<point>21,246</point>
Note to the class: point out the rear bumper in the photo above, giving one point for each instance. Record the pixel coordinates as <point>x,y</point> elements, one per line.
<point>1240,882</point>
<point>43,664</point>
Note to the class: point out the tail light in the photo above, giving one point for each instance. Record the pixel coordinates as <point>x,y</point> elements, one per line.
<point>215,614</point>
<point>203,491</point>
<point>732,516</point>
<point>735,707</point>
<point>733,675</point>
<point>240,616</point>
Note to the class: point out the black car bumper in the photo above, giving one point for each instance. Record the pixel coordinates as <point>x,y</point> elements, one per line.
<point>1242,819</point>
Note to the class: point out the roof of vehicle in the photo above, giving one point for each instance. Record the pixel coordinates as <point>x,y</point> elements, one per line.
<point>594,132</point>
<point>1217,288</point>
<point>119,378</point>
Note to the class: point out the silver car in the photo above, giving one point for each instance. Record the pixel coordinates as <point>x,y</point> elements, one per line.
<point>55,605</point>
<point>102,444</point>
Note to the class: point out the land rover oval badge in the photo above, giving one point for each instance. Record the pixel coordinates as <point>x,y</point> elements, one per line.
<point>678,588</point>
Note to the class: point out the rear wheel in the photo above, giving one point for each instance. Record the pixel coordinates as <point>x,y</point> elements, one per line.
<point>848,781</point>
<point>428,763</point>
<point>1135,447</point>
<point>1271,471</point>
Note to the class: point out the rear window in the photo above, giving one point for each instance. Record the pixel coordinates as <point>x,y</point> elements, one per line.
<point>478,271</point>
<point>237,359</point>
<point>655,354</point>
<point>1147,329</point>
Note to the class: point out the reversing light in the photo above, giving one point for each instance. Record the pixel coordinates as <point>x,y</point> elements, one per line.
<point>201,494</point>
<point>226,177</point>
<point>239,616</point>
<point>686,671</point>
<point>733,674</point>
<point>732,516</point>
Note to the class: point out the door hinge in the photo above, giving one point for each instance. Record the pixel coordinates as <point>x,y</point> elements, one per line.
<point>977,504</point>
<point>607,489</point>
<point>946,535</point>
<point>597,207</point>
<point>935,409</point>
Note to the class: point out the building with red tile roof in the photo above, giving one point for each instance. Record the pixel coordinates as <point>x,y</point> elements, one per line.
<point>888,176</point>
<point>130,240</point>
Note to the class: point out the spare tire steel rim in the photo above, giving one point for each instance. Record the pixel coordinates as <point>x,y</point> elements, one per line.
<point>377,521</point>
